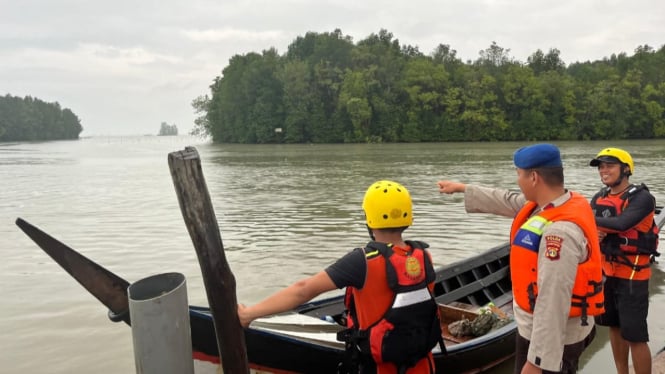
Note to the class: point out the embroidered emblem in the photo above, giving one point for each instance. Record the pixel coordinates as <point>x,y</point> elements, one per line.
<point>413,269</point>
<point>527,240</point>
<point>553,246</point>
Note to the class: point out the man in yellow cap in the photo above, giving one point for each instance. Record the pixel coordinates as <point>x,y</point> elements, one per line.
<point>406,328</point>
<point>554,254</point>
<point>628,240</point>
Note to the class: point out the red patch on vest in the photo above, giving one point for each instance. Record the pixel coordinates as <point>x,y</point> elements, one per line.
<point>553,246</point>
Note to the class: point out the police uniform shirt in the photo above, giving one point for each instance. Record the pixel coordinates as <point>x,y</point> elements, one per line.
<point>548,329</point>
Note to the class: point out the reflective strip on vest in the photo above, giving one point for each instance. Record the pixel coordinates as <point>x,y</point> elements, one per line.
<point>530,233</point>
<point>412,297</point>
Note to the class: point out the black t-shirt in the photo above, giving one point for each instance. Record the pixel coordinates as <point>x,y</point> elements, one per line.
<point>350,270</point>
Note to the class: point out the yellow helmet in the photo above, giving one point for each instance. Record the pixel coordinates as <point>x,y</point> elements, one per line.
<point>614,155</point>
<point>387,204</point>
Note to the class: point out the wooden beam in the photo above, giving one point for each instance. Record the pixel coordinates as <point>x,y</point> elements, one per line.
<point>220,284</point>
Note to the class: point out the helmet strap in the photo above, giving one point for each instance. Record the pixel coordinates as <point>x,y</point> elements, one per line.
<point>618,181</point>
<point>623,174</point>
<point>371,233</point>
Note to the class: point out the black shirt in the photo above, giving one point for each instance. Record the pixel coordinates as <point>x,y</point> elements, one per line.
<point>350,270</point>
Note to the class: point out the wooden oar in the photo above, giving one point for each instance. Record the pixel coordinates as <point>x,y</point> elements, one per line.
<point>297,323</point>
<point>108,288</point>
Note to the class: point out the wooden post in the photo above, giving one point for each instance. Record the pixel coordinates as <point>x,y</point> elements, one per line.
<point>220,284</point>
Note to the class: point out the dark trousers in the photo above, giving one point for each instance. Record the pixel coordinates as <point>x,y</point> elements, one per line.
<point>571,354</point>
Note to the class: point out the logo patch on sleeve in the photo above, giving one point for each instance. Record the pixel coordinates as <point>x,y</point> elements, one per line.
<point>553,246</point>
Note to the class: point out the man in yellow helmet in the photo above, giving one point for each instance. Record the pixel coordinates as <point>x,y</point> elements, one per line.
<point>628,240</point>
<point>555,264</point>
<point>374,276</point>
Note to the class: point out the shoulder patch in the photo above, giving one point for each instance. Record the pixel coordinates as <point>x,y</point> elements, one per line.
<point>553,246</point>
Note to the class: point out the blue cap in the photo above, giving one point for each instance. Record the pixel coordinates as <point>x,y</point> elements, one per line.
<point>537,156</point>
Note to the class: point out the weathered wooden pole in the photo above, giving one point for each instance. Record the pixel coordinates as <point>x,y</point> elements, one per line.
<point>220,284</point>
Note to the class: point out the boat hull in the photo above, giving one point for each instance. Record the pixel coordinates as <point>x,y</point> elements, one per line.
<point>306,346</point>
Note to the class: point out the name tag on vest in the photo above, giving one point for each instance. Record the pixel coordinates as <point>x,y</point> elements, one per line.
<point>411,297</point>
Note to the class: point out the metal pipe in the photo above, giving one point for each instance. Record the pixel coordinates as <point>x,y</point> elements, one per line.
<point>161,333</point>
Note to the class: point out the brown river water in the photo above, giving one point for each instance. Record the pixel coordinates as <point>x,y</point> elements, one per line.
<point>284,212</point>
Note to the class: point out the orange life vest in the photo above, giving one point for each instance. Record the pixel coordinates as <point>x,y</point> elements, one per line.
<point>627,254</point>
<point>394,317</point>
<point>526,234</point>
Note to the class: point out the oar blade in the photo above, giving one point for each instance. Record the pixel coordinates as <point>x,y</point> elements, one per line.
<point>108,288</point>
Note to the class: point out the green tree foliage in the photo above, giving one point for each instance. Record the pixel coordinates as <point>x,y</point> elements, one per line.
<point>328,89</point>
<point>653,99</point>
<point>381,55</point>
<point>26,119</point>
<point>354,104</point>
<point>541,63</point>
<point>426,87</point>
<point>201,107</point>
<point>297,100</point>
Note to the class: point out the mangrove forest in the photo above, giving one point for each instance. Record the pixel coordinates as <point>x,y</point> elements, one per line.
<point>326,88</point>
<point>29,119</point>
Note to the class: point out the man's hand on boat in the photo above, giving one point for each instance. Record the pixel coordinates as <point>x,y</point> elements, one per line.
<point>287,298</point>
<point>243,315</point>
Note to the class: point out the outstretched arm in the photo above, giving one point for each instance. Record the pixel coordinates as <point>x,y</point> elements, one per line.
<point>287,298</point>
<point>451,187</point>
<point>478,199</point>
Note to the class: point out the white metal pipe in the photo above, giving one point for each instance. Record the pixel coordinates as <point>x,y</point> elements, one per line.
<point>161,335</point>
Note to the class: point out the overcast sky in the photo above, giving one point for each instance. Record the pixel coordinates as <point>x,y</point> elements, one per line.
<point>124,67</point>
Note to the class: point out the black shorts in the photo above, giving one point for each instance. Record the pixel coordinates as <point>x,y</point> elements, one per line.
<point>627,307</point>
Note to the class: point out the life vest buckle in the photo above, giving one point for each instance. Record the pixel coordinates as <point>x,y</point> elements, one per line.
<point>348,335</point>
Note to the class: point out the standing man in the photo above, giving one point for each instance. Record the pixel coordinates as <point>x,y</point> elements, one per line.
<point>555,260</point>
<point>393,318</point>
<point>628,240</point>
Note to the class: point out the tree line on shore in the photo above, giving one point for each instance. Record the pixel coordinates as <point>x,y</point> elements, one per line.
<point>328,89</point>
<point>29,119</point>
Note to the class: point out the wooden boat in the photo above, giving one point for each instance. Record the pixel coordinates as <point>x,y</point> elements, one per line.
<point>304,340</point>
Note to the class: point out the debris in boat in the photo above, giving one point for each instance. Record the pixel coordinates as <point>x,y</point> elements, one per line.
<point>500,322</point>
<point>489,318</point>
<point>460,328</point>
<point>482,324</point>
<point>491,308</point>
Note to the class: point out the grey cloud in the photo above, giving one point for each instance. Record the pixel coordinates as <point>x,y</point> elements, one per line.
<point>126,66</point>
